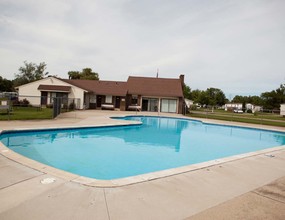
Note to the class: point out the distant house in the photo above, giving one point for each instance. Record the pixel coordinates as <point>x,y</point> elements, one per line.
<point>253,108</point>
<point>233,106</point>
<point>282,110</point>
<point>188,102</point>
<point>138,93</point>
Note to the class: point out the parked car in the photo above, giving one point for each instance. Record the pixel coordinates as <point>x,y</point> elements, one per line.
<point>238,111</point>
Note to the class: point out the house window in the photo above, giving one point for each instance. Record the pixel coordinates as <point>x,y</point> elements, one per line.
<point>134,100</point>
<point>108,99</point>
<point>168,105</point>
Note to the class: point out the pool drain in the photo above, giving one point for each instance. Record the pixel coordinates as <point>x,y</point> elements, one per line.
<point>47,180</point>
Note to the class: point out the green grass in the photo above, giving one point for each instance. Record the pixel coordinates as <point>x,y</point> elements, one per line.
<point>259,115</point>
<point>26,113</point>
<point>240,118</point>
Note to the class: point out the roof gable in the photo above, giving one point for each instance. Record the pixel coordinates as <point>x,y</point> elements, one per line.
<point>51,80</point>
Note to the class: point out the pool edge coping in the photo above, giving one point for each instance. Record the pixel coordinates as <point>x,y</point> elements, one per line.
<point>87,181</point>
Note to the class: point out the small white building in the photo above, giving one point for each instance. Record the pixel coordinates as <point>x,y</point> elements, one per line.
<point>43,91</point>
<point>282,110</point>
<point>253,108</point>
<point>233,106</point>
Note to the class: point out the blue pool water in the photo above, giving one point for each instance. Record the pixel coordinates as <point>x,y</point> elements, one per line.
<point>158,144</point>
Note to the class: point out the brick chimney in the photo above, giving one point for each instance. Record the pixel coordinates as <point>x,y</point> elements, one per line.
<point>181,77</point>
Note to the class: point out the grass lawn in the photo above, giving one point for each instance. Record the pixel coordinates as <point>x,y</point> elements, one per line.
<point>261,115</point>
<point>26,113</point>
<point>246,118</point>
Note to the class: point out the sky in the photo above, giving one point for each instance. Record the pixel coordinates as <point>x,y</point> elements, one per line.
<point>234,45</point>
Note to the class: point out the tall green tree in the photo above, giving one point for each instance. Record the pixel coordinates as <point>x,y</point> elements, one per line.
<point>256,100</point>
<point>240,99</point>
<point>187,92</point>
<point>5,85</point>
<point>215,96</point>
<point>204,98</point>
<point>86,73</point>
<point>211,96</point>
<point>273,99</point>
<point>195,95</point>
<point>30,72</point>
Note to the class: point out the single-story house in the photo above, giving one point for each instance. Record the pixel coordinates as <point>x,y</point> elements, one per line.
<point>282,110</point>
<point>138,93</point>
<point>233,106</point>
<point>253,108</point>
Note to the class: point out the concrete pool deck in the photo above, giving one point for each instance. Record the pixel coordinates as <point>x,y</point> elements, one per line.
<point>236,189</point>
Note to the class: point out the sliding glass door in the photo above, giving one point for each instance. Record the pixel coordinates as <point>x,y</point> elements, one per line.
<point>168,105</point>
<point>150,104</point>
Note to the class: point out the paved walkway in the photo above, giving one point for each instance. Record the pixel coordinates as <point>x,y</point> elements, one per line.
<point>234,190</point>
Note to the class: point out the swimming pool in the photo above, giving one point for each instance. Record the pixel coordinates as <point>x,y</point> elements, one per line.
<point>157,144</point>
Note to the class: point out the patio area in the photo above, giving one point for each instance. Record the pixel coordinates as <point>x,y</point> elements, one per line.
<point>246,188</point>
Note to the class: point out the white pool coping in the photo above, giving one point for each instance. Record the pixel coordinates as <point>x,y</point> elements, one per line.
<point>5,151</point>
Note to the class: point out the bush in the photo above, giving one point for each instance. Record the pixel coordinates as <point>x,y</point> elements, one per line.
<point>26,102</point>
<point>193,107</point>
<point>249,111</point>
<point>23,103</point>
<point>72,106</point>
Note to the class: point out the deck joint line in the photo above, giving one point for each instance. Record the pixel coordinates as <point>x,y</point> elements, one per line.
<point>106,204</point>
<point>268,197</point>
<point>22,181</point>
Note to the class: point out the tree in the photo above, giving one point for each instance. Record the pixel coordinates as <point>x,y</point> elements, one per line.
<point>240,99</point>
<point>85,74</point>
<point>30,72</point>
<point>215,97</point>
<point>187,91</point>
<point>5,85</point>
<point>256,100</point>
<point>74,75</point>
<point>274,98</point>
<point>195,94</point>
<point>204,98</point>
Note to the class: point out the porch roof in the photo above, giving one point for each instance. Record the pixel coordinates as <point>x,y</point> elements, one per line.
<point>54,88</point>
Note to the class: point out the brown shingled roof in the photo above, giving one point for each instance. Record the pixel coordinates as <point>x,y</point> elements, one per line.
<point>100,87</point>
<point>54,88</point>
<point>149,86</point>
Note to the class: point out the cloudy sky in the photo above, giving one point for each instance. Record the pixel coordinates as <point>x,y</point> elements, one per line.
<point>235,45</point>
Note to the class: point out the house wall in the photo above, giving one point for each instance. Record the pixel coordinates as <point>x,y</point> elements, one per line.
<point>231,106</point>
<point>282,109</point>
<point>30,91</point>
